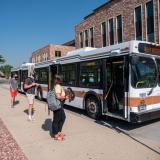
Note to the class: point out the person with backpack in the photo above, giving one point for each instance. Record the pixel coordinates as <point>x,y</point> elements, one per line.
<point>29,86</point>
<point>59,114</point>
<point>13,89</point>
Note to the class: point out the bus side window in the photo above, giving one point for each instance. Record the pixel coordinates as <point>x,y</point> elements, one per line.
<point>72,82</point>
<point>91,80</point>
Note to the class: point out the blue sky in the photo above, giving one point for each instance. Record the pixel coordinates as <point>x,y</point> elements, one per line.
<point>27,25</point>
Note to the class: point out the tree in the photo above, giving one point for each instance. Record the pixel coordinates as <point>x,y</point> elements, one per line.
<point>6,69</point>
<point>2,60</point>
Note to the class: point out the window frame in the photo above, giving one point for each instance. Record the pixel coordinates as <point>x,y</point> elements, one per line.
<point>102,34</point>
<point>141,21</point>
<point>117,27</point>
<point>86,38</point>
<point>94,68</point>
<point>81,39</point>
<point>147,17</point>
<point>68,83</point>
<point>58,53</point>
<point>91,38</point>
<point>111,32</point>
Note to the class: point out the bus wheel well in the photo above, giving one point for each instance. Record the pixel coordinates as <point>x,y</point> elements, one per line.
<point>93,106</point>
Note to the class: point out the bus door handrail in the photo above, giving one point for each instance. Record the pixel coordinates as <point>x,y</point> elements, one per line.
<point>108,91</point>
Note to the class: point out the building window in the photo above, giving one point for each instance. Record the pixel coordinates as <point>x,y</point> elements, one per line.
<point>111,31</point>
<point>81,39</point>
<point>119,28</point>
<point>150,21</point>
<point>57,53</point>
<point>104,34</point>
<point>45,56</point>
<point>138,23</point>
<point>39,58</point>
<point>91,37</point>
<point>86,38</point>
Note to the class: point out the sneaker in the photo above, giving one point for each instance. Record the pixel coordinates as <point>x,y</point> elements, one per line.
<point>29,118</point>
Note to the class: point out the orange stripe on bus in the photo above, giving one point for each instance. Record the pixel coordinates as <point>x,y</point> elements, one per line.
<point>135,102</point>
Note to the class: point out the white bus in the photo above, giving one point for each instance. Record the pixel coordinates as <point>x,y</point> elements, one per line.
<point>43,77</point>
<point>121,81</point>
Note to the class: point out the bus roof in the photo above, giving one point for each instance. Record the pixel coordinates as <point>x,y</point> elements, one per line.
<point>15,69</point>
<point>44,64</point>
<point>89,53</point>
<point>139,47</point>
<point>37,65</point>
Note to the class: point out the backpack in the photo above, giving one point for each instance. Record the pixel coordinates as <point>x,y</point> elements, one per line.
<point>24,89</point>
<point>53,103</point>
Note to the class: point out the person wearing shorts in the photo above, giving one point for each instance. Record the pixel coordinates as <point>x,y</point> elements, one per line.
<point>13,89</point>
<point>30,93</point>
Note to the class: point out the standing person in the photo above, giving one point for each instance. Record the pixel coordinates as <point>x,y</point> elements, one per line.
<point>58,115</point>
<point>13,89</point>
<point>30,92</point>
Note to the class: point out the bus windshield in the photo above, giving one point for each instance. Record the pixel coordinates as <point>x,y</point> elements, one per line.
<point>143,72</point>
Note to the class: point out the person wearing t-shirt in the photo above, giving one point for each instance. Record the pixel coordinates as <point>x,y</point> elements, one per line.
<point>59,115</point>
<point>13,89</point>
<point>30,93</point>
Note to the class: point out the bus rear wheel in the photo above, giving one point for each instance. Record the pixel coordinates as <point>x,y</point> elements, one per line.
<point>92,106</point>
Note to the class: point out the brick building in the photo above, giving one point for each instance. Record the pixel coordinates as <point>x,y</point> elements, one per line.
<point>117,21</point>
<point>50,52</point>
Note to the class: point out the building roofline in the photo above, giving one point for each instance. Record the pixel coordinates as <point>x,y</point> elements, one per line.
<point>95,10</point>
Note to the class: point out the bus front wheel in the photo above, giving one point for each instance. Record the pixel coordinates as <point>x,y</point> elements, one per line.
<point>92,106</point>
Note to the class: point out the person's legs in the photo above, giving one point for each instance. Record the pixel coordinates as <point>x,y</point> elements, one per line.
<point>14,97</point>
<point>11,93</point>
<point>12,101</point>
<point>56,116</point>
<point>30,111</point>
<point>30,107</point>
<point>61,122</point>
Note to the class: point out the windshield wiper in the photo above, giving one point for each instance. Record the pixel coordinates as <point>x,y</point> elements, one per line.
<point>150,92</point>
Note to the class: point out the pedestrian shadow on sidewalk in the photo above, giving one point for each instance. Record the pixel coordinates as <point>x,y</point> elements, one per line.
<point>16,102</point>
<point>47,125</point>
<point>26,111</point>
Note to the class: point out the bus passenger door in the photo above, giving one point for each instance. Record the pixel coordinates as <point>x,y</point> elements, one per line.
<point>114,87</point>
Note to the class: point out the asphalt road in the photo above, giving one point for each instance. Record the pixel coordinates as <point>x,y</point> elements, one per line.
<point>147,133</point>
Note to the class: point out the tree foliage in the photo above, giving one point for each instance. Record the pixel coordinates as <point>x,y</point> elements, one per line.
<point>2,60</point>
<point>6,69</point>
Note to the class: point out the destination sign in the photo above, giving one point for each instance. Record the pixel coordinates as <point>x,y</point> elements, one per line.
<point>149,49</point>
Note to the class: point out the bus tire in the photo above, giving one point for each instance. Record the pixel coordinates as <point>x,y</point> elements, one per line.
<point>93,108</point>
<point>39,94</point>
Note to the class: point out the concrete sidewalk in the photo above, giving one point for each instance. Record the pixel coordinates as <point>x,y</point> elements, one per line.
<point>84,139</point>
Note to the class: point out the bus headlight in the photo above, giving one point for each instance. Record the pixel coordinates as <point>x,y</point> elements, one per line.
<point>142,105</point>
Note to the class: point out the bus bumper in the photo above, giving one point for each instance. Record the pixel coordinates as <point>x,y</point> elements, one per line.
<point>144,116</point>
